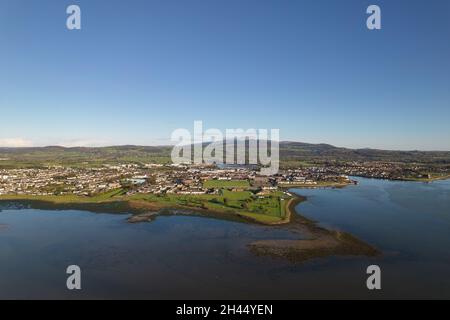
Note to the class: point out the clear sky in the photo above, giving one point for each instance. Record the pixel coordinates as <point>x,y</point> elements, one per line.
<point>137,70</point>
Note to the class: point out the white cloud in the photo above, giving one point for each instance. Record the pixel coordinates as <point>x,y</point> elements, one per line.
<point>15,142</point>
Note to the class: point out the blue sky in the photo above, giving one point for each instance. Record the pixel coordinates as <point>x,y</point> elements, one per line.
<point>140,69</point>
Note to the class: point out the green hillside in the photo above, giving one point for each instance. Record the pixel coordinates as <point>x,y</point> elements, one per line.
<point>295,153</point>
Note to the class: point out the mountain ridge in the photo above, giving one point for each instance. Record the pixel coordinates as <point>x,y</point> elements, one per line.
<point>290,151</point>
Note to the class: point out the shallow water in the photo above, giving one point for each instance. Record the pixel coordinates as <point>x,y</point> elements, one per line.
<point>193,257</point>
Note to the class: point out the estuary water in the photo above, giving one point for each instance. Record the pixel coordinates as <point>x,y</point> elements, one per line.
<point>187,257</point>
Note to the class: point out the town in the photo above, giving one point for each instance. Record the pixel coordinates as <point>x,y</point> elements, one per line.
<point>191,179</point>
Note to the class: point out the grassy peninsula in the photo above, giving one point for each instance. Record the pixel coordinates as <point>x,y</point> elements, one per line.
<point>277,208</point>
<point>268,209</point>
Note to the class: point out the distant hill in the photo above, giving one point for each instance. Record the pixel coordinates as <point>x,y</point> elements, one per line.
<point>290,152</point>
<point>326,152</point>
<point>80,156</point>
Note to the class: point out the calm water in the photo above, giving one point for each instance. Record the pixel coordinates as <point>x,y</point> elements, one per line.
<point>192,257</point>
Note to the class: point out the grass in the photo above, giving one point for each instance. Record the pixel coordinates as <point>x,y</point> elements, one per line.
<point>237,195</point>
<point>268,209</point>
<point>217,184</point>
<point>71,198</point>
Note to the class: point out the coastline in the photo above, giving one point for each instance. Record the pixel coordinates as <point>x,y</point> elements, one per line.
<point>140,210</point>
<point>314,186</point>
<point>424,180</point>
<point>319,242</point>
<point>146,211</point>
<point>429,179</point>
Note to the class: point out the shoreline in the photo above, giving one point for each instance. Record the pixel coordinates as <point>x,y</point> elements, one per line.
<point>424,180</point>
<point>314,186</point>
<point>145,207</point>
<point>428,180</point>
<point>142,211</point>
<point>319,241</point>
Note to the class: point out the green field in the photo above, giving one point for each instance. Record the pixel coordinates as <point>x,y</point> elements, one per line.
<point>292,154</point>
<point>216,184</point>
<point>268,209</point>
<point>109,196</point>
